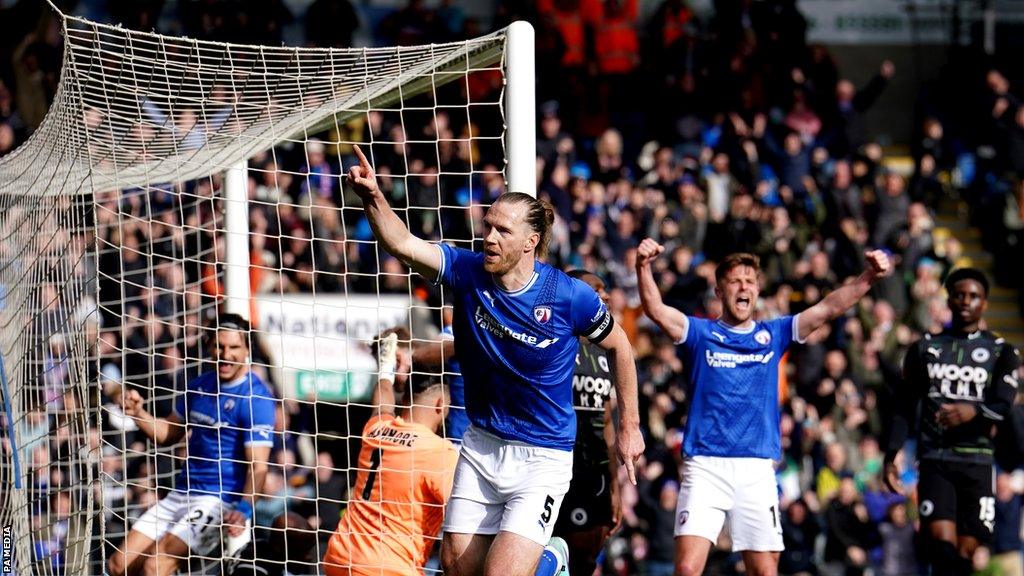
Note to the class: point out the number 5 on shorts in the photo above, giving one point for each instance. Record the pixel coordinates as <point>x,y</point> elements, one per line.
<point>546,516</point>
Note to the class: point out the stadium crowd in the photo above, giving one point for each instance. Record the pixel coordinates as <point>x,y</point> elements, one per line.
<point>715,135</point>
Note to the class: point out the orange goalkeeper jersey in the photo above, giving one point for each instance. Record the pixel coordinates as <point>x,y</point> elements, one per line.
<point>397,504</point>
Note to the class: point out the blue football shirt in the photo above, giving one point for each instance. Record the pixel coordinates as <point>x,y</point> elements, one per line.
<point>517,350</point>
<point>734,387</point>
<point>223,420</point>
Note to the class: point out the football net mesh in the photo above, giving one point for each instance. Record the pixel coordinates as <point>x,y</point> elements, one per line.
<point>113,259</point>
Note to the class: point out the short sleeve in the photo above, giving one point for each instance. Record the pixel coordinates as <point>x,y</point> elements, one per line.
<point>260,425</point>
<point>694,333</point>
<point>687,326</point>
<point>590,316</point>
<point>784,332</point>
<point>453,264</point>
<point>796,330</point>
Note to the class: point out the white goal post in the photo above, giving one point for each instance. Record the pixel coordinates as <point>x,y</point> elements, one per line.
<point>173,179</point>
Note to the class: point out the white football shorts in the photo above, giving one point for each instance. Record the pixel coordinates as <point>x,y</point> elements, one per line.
<point>744,489</point>
<point>503,485</point>
<point>194,518</point>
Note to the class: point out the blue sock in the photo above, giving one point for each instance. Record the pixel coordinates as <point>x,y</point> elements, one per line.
<point>547,565</point>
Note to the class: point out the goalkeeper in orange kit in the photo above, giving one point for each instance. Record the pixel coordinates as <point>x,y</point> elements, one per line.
<point>404,479</point>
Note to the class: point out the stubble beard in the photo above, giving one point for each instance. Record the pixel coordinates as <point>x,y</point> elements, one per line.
<point>506,262</point>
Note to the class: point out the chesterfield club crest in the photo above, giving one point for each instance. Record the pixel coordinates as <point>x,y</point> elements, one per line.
<point>542,314</point>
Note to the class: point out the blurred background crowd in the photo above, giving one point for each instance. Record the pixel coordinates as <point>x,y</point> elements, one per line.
<point>711,131</point>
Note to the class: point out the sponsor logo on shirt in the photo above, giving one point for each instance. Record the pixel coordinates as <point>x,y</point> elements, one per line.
<point>591,391</point>
<point>959,382</point>
<point>195,417</point>
<point>732,360</point>
<point>488,323</point>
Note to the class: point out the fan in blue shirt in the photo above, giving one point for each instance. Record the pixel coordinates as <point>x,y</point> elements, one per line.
<point>516,327</point>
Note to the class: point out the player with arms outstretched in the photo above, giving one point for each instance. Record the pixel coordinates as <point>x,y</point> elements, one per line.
<point>957,385</point>
<point>516,326</point>
<point>732,434</point>
<point>229,416</point>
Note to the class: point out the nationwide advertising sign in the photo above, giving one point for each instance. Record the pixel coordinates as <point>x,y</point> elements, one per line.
<point>320,342</point>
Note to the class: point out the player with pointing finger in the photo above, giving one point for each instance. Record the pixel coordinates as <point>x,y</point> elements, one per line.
<point>516,325</point>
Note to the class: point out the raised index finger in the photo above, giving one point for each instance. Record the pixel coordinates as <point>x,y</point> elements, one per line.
<point>362,159</point>
<point>631,471</point>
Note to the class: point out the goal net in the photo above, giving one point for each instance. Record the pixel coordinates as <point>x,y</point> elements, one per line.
<point>173,179</point>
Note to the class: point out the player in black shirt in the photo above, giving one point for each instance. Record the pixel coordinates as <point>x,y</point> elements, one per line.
<point>590,509</point>
<point>956,387</point>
